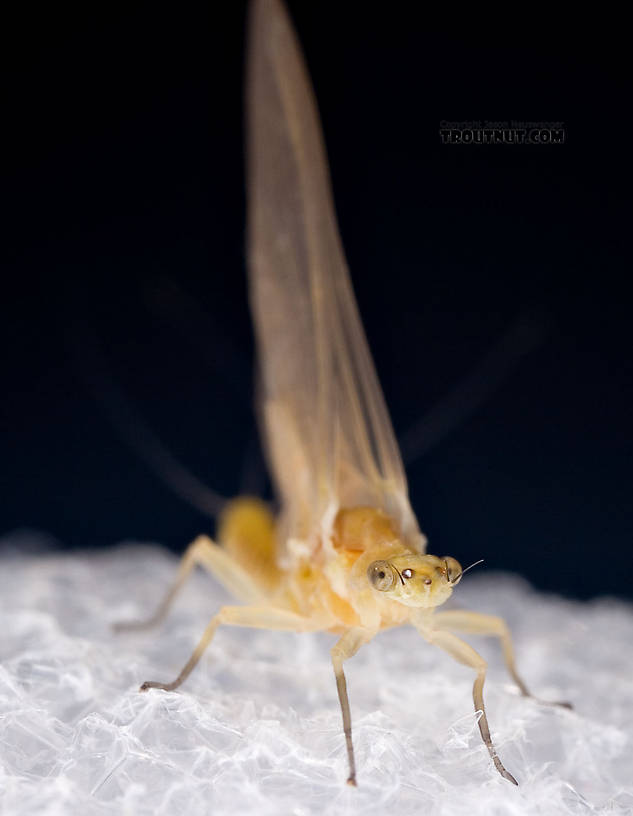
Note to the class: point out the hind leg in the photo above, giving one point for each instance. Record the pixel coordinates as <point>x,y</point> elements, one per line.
<point>205,553</point>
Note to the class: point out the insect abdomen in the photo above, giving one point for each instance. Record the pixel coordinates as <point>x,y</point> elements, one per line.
<point>246,530</point>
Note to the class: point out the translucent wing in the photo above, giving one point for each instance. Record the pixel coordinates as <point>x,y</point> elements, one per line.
<point>328,434</point>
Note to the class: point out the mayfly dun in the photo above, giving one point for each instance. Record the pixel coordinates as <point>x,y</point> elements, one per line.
<point>345,553</point>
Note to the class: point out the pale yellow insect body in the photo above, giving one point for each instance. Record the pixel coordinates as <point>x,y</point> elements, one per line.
<point>366,577</point>
<point>345,554</point>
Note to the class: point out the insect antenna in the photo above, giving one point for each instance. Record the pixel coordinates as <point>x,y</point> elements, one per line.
<point>481,560</point>
<point>399,575</point>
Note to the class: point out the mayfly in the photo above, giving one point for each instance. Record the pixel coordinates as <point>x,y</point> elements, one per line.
<point>345,553</point>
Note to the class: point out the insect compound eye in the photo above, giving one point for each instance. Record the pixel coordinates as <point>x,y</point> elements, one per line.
<point>381,575</point>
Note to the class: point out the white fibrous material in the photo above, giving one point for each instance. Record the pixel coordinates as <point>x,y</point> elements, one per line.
<point>256,729</point>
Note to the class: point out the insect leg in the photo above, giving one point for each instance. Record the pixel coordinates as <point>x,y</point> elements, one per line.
<point>264,617</point>
<point>464,653</point>
<point>475,623</point>
<point>218,562</point>
<point>347,647</point>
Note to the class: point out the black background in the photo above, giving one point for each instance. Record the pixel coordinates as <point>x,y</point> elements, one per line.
<point>125,237</point>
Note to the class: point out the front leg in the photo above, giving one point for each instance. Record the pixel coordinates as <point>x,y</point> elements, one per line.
<point>475,623</point>
<point>345,648</point>
<point>465,654</point>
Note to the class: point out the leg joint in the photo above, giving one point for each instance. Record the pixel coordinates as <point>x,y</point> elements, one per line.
<point>481,666</point>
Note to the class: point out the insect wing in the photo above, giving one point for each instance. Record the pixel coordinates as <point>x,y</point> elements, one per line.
<point>327,431</point>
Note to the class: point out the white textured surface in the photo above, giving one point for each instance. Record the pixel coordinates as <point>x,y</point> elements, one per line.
<point>256,729</point>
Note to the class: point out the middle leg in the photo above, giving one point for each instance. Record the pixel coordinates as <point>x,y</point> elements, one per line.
<point>476,623</point>
<point>265,617</point>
